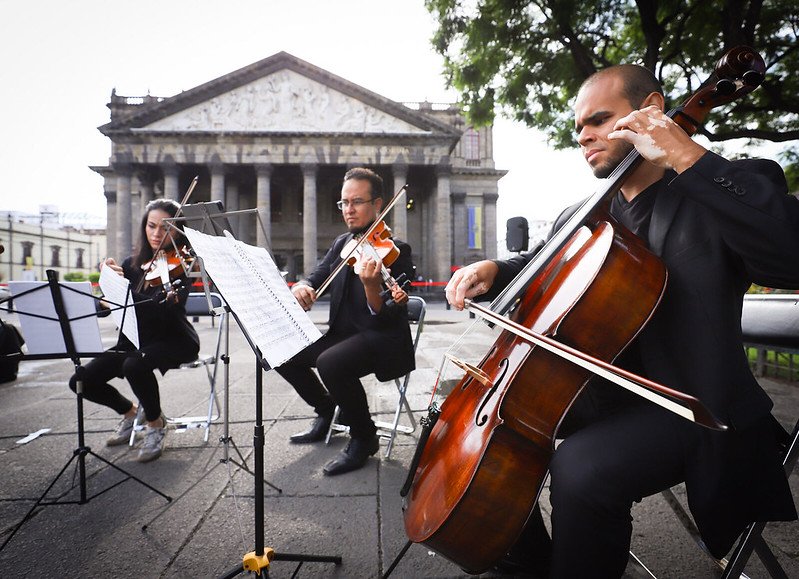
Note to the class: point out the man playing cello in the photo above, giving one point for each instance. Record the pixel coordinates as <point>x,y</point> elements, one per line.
<point>718,226</point>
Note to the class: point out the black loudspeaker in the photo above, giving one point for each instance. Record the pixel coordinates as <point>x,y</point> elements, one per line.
<point>518,235</point>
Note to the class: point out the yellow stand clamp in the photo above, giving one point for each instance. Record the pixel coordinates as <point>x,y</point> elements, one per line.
<point>256,563</point>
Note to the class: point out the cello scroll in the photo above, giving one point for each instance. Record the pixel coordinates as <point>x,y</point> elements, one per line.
<point>737,73</point>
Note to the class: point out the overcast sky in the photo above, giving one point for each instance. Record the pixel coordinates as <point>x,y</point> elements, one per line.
<point>61,59</point>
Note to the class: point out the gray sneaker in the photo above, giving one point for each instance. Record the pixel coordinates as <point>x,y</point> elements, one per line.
<point>121,433</point>
<point>153,444</point>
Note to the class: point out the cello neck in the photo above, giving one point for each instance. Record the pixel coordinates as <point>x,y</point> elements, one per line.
<point>508,297</point>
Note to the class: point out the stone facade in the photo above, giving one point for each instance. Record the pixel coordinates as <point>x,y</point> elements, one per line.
<point>278,136</point>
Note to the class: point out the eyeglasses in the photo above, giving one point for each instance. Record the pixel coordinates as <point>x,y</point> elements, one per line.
<point>344,203</point>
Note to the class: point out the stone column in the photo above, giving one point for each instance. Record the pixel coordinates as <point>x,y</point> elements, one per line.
<point>399,221</point>
<point>171,185</point>
<point>460,228</point>
<point>146,189</point>
<point>442,230</point>
<point>232,204</point>
<point>309,229</point>
<point>110,219</point>
<point>218,183</point>
<point>490,224</point>
<point>125,219</point>
<point>264,205</point>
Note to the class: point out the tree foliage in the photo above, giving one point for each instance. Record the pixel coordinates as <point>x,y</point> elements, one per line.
<point>527,58</point>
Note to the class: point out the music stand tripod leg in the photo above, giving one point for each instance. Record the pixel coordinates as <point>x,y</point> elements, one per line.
<point>259,559</point>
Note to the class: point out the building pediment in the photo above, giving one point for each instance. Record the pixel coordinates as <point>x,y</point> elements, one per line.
<point>284,101</point>
<point>280,94</point>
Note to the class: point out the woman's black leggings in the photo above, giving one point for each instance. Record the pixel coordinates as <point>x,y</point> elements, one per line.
<point>135,368</point>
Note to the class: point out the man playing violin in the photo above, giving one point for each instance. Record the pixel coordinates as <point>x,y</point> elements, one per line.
<point>718,226</point>
<point>166,338</point>
<point>366,334</point>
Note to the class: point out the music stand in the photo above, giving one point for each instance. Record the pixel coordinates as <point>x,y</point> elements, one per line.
<point>71,350</point>
<point>210,216</point>
<point>227,259</point>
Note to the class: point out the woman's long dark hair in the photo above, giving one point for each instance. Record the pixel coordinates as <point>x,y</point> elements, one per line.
<point>144,252</point>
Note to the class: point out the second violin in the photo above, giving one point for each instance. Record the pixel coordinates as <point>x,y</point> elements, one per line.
<point>378,246</point>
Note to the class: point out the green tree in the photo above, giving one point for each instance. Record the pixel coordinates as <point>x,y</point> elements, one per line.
<point>527,58</point>
<point>790,160</point>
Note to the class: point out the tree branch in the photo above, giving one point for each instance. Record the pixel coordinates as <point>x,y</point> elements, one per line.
<point>774,136</point>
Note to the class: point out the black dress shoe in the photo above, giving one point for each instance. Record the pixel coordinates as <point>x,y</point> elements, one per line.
<point>315,433</point>
<point>353,457</point>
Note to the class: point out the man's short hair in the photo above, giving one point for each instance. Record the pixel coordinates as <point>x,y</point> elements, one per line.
<point>364,174</point>
<point>638,82</point>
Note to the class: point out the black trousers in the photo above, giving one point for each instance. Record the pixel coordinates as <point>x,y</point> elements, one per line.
<point>598,472</point>
<point>137,370</point>
<point>341,361</point>
<point>616,450</point>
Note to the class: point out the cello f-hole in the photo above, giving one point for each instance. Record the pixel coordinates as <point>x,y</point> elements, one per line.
<point>480,418</point>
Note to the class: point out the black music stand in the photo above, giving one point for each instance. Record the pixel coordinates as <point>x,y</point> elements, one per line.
<point>82,449</point>
<point>258,560</point>
<point>210,218</point>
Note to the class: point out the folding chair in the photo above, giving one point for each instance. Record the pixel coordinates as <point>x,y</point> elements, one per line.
<point>416,312</point>
<point>196,307</point>
<point>751,539</point>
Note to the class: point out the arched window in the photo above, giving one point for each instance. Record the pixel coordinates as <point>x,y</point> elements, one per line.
<point>471,146</point>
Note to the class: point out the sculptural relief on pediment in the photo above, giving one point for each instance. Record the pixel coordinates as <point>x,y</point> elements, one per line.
<point>284,101</point>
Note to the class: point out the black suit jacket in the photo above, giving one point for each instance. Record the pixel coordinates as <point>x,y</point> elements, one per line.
<point>718,227</point>
<point>387,332</point>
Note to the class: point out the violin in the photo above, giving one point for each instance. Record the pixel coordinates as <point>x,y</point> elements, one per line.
<point>166,268</point>
<point>483,459</point>
<point>378,245</point>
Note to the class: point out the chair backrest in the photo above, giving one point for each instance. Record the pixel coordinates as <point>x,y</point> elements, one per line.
<point>197,305</point>
<point>416,312</point>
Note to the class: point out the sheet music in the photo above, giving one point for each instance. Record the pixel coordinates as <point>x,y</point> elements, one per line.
<point>117,289</point>
<point>44,336</point>
<point>253,288</point>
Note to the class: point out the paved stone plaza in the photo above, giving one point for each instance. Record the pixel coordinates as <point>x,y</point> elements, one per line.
<point>209,526</point>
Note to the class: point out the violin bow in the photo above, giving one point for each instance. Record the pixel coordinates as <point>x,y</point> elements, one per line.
<point>689,407</point>
<point>389,206</point>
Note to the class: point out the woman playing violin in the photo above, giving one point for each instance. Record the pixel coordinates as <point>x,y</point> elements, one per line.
<point>718,226</point>
<point>166,337</point>
<point>366,335</point>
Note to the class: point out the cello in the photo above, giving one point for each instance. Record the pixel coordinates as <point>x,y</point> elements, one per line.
<point>573,309</point>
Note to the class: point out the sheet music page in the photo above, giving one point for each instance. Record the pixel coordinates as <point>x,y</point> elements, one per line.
<point>44,335</point>
<point>117,289</point>
<point>253,288</point>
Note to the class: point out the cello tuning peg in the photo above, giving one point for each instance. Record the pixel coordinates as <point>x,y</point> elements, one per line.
<point>752,78</point>
<point>725,86</point>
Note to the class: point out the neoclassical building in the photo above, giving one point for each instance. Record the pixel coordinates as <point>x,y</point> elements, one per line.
<point>278,135</point>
